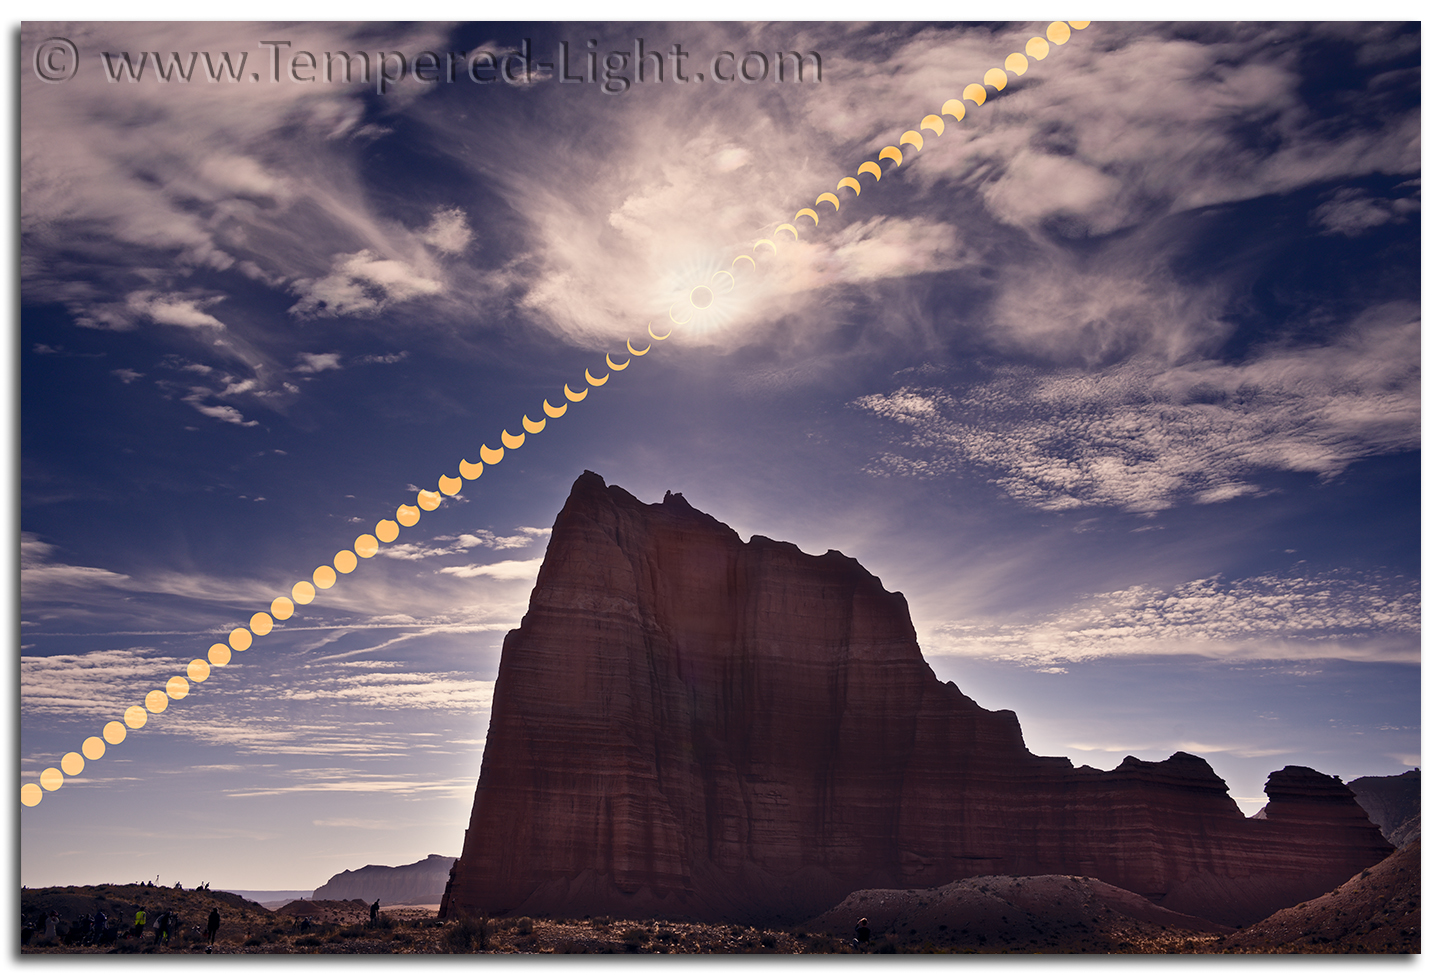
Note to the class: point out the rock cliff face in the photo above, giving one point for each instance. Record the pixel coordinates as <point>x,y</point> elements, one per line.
<point>1393,802</point>
<point>686,724</point>
<point>421,882</point>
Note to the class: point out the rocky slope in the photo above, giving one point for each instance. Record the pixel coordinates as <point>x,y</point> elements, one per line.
<point>1378,910</point>
<point>688,725</point>
<point>1393,802</point>
<point>421,882</point>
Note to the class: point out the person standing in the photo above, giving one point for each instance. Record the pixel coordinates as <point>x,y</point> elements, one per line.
<point>212,925</point>
<point>375,911</point>
<point>140,923</point>
<point>52,927</point>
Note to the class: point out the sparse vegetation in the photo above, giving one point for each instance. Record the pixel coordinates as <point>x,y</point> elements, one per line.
<point>1375,912</point>
<point>467,935</point>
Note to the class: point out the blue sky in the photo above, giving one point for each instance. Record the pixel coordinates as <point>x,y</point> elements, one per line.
<point>1117,379</point>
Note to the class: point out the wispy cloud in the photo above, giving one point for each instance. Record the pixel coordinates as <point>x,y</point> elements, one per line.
<point>133,193</point>
<point>362,283</point>
<point>93,685</point>
<point>449,231</point>
<point>313,362</point>
<point>1353,212</point>
<point>399,691</point>
<point>348,781</point>
<point>497,570</point>
<point>354,823</point>
<point>455,544</point>
<point>1144,439</point>
<point>61,597</point>
<point>1334,615</point>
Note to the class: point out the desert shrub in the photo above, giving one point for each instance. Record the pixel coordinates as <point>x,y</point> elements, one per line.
<point>308,941</point>
<point>768,941</point>
<point>573,947</point>
<point>253,942</point>
<point>637,936</point>
<point>525,925</point>
<point>466,935</point>
<point>601,922</point>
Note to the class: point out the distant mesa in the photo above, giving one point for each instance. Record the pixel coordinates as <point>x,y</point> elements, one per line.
<point>421,882</point>
<point>686,724</point>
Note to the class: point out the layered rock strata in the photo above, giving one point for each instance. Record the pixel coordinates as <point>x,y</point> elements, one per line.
<point>688,725</point>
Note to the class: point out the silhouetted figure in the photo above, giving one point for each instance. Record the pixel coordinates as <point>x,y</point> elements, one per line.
<point>863,934</point>
<point>162,929</point>
<point>212,925</point>
<point>375,911</point>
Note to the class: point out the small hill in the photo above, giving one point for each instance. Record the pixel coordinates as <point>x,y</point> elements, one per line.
<point>1048,913</point>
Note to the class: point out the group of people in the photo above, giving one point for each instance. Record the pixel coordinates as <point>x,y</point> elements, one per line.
<point>83,930</point>
<point>96,930</point>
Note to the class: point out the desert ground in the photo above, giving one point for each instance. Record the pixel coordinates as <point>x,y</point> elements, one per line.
<point>1377,911</point>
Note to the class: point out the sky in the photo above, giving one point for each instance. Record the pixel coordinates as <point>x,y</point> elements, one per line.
<point>1117,378</point>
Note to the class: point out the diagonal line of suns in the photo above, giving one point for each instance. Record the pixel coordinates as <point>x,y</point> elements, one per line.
<point>387,530</point>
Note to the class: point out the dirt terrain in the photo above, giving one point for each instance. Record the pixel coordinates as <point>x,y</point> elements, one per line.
<point>1377,911</point>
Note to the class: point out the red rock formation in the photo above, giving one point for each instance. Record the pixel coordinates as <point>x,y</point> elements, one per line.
<point>687,724</point>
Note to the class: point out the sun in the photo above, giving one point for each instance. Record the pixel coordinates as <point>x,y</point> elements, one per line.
<point>701,296</point>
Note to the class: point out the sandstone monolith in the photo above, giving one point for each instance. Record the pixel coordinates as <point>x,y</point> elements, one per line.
<point>690,725</point>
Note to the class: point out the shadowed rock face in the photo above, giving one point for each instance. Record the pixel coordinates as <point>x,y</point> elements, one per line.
<point>687,724</point>
<point>414,883</point>
<point>1393,802</point>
